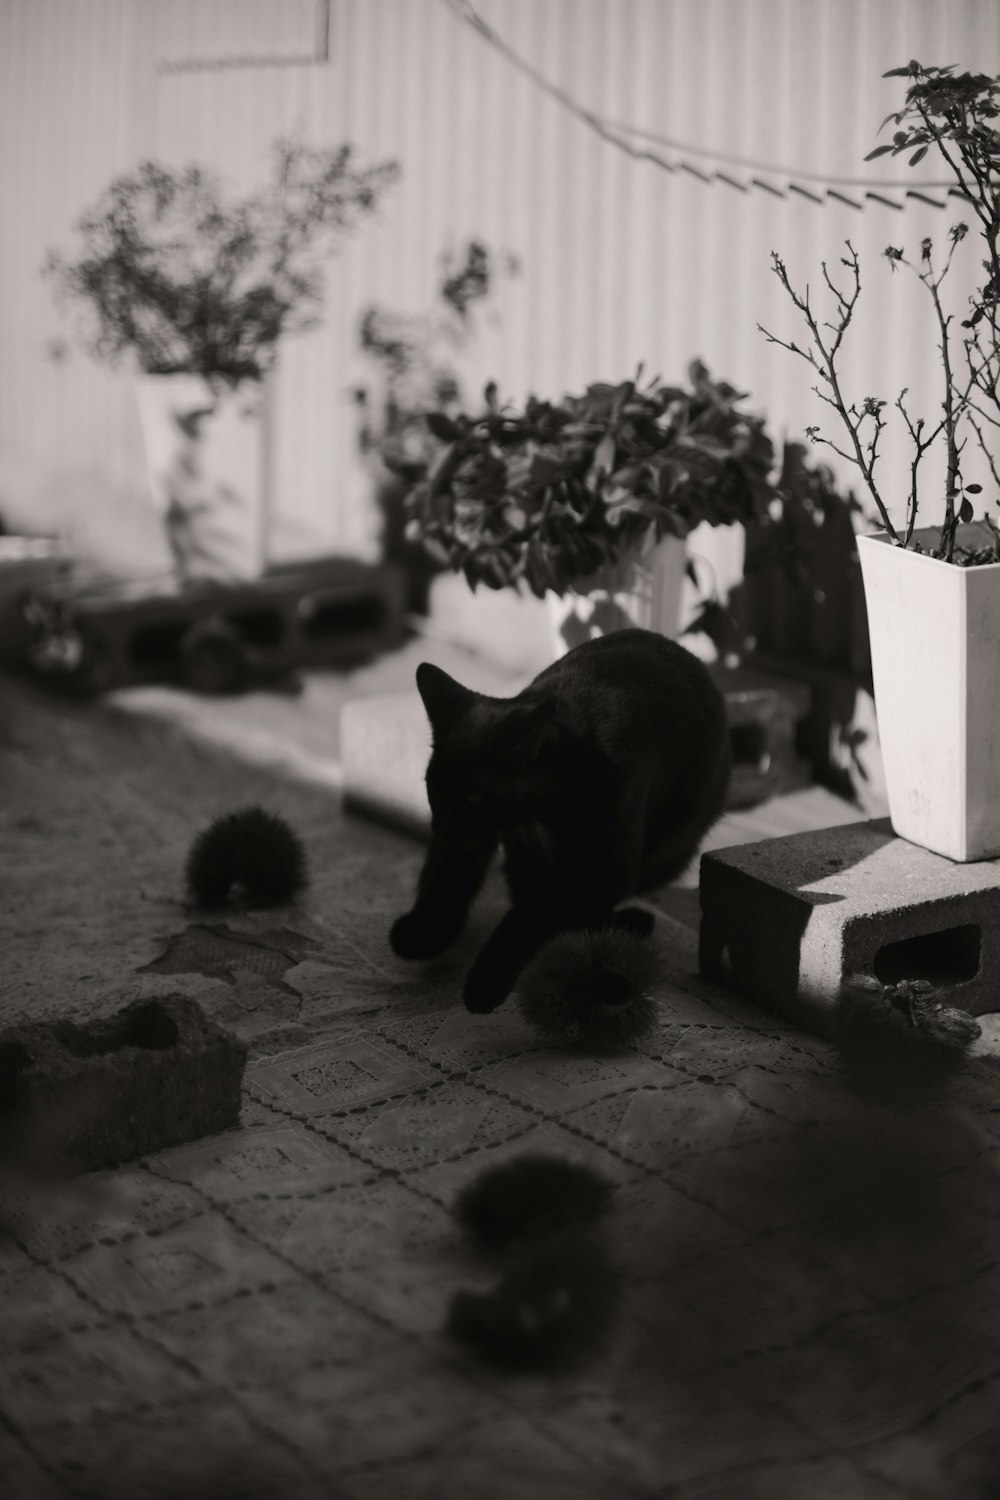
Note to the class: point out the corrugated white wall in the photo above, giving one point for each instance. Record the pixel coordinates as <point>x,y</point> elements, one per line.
<point>622,262</point>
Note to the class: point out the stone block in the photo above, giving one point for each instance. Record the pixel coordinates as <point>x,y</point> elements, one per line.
<point>385,744</point>
<point>84,1096</point>
<point>764,714</point>
<point>784,920</point>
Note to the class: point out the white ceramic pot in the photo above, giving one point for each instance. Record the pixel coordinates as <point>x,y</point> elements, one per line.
<point>205,451</point>
<point>643,588</point>
<point>935,641</point>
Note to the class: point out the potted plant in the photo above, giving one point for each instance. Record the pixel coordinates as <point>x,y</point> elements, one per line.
<point>196,291</point>
<point>415,362</point>
<point>932,591</point>
<point>588,501</point>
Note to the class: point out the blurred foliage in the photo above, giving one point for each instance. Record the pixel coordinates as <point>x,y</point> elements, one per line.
<point>186,280</point>
<point>414,357</point>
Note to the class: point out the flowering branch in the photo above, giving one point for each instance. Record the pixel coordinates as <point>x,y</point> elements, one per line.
<point>822,356</point>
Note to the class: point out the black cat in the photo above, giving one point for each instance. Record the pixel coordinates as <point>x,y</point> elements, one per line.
<point>599,780</point>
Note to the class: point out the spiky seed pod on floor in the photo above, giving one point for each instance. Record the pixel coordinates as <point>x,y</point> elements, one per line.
<point>591,989</point>
<point>250,854</point>
<point>552,1310</point>
<point>899,1044</point>
<point>528,1198</point>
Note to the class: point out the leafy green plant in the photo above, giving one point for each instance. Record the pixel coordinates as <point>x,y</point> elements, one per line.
<point>186,280</point>
<point>551,493</point>
<point>954,115</point>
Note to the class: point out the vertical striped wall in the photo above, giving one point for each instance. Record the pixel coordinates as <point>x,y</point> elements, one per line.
<point>622,262</point>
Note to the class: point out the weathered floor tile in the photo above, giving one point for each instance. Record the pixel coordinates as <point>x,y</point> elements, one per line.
<point>454,1039</point>
<point>444,1180</point>
<point>382,1248</point>
<point>206,1447</point>
<point>99,1207</point>
<point>655,1125</point>
<point>201,1262</point>
<point>954,1451</point>
<point>503,1457</point>
<point>867,1380</point>
<point>24,1467</point>
<point>89,1376</point>
<point>38,1305</point>
<point>268,1337</point>
<point>337,1075</point>
<point>661,1227</point>
<point>691,1427</point>
<point>558,1082</point>
<point>401,1404</point>
<point>741,1303</point>
<point>429,1125</point>
<point>826,1477</point>
<point>241,1164</point>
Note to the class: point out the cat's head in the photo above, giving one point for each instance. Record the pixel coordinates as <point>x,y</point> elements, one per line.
<point>491,764</point>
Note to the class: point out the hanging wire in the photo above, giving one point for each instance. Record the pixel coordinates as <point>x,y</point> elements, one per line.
<point>618,134</point>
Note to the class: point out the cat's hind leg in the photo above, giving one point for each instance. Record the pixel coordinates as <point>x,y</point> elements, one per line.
<point>449,881</point>
<point>670,855</point>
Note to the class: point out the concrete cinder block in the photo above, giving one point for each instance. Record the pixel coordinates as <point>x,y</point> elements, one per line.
<point>764,713</point>
<point>784,920</point>
<point>83,1097</point>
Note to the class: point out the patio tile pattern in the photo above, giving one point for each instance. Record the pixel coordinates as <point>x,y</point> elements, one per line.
<point>811,1305</point>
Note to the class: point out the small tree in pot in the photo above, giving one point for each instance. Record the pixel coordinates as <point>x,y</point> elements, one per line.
<point>933,592</point>
<point>575,497</point>
<point>196,291</point>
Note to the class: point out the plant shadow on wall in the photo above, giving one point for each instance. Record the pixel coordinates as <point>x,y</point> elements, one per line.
<point>799,610</point>
<point>939,788</point>
<point>416,358</point>
<point>566,497</point>
<point>195,290</point>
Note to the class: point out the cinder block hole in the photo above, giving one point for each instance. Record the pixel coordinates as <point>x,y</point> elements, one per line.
<point>148,1026</point>
<point>942,958</point>
<point>749,746</point>
<point>324,619</point>
<point>156,645</point>
<point>259,627</point>
<point>14,1060</point>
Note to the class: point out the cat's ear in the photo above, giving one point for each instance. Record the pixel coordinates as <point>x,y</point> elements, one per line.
<point>443,697</point>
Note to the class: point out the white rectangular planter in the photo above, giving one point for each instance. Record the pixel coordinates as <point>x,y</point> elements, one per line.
<point>643,588</point>
<point>935,640</point>
<point>205,450</point>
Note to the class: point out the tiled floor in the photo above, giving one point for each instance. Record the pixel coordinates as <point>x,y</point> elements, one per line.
<point>812,1293</point>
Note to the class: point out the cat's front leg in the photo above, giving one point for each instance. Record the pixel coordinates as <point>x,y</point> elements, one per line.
<point>448,883</point>
<point>513,944</point>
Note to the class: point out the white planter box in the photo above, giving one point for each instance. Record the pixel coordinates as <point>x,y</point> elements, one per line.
<point>644,589</point>
<point>525,634</point>
<point>205,452</point>
<point>935,640</point>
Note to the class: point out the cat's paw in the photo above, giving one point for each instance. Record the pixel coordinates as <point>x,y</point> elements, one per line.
<point>635,920</point>
<point>416,935</point>
<point>484,991</point>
